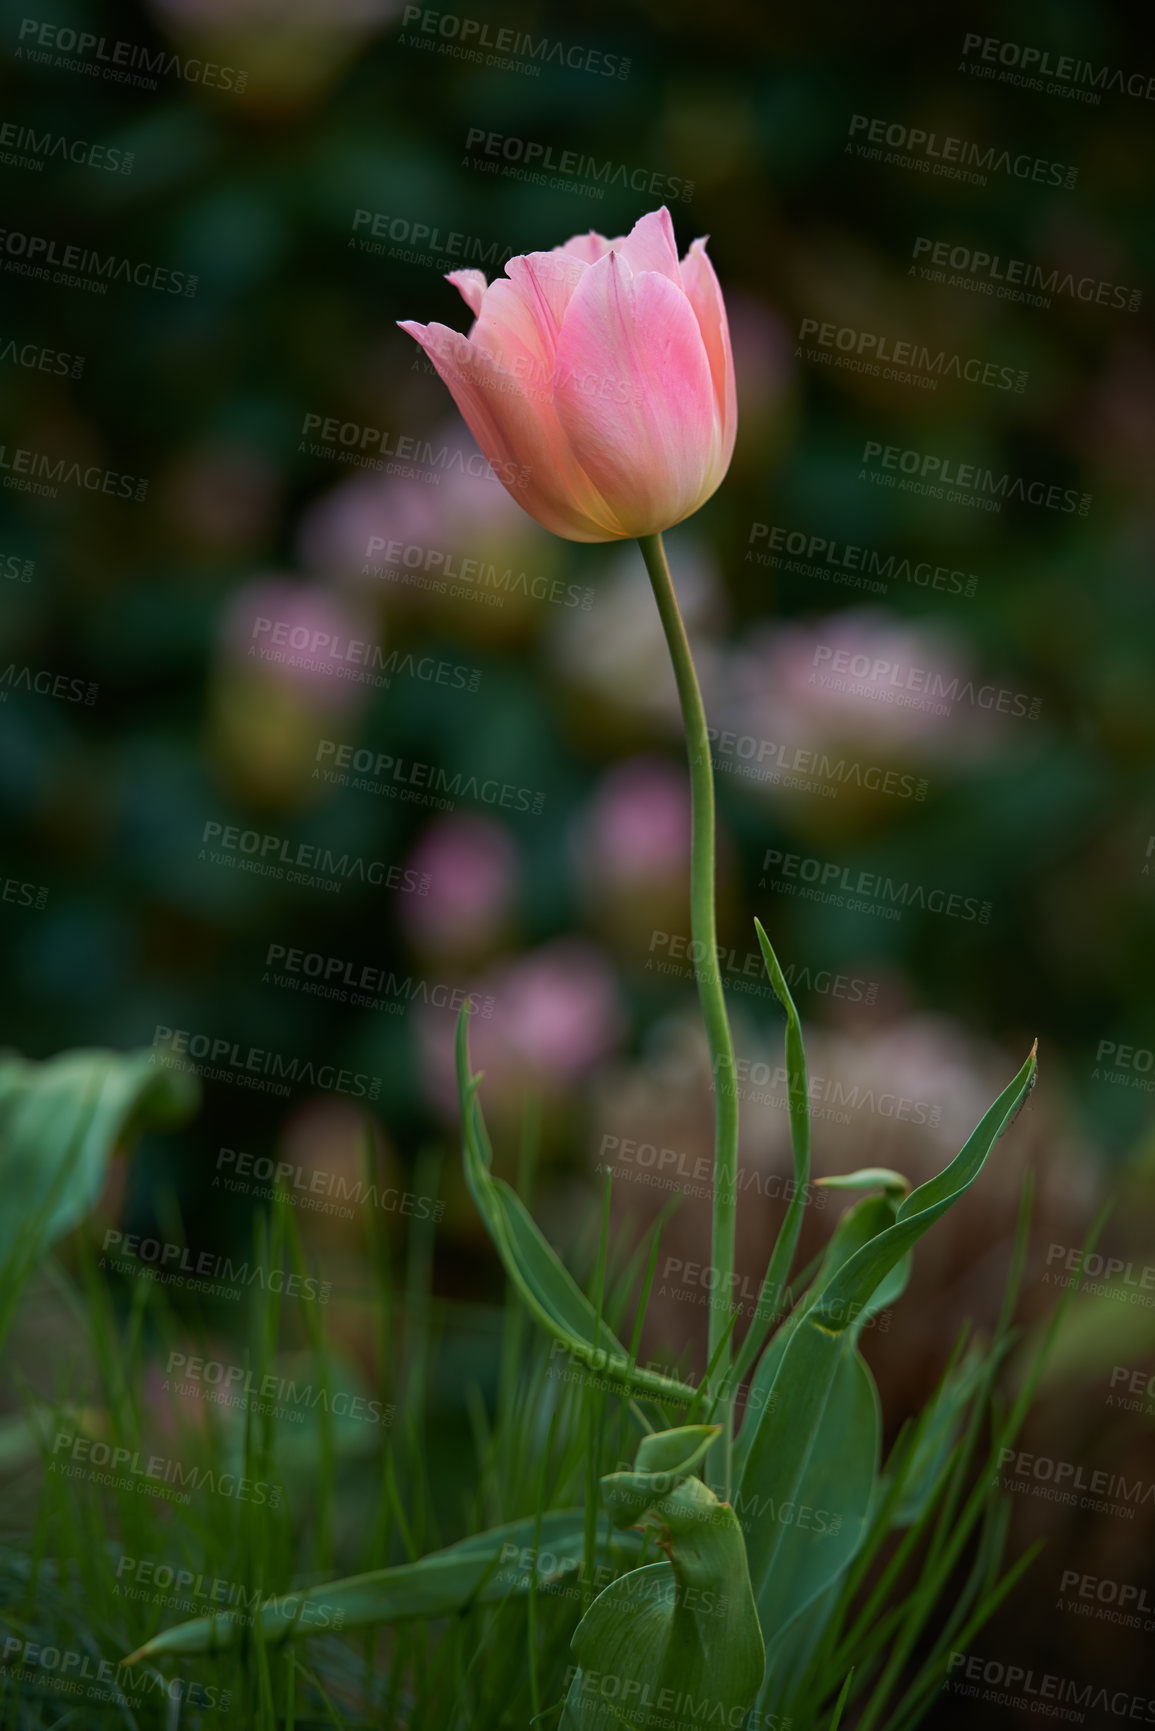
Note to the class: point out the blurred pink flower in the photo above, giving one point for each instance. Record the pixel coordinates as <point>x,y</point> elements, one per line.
<point>637,828</point>
<point>472,864</point>
<point>295,636</point>
<point>557,1012</point>
<point>863,677</point>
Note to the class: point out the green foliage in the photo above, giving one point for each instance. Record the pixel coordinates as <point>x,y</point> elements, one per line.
<point>547,1288</point>
<point>570,1591</point>
<point>683,1630</point>
<point>59,1124</point>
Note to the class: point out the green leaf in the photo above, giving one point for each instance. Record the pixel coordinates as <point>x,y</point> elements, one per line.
<point>821,1532</point>
<point>59,1123</point>
<point>770,1297</point>
<point>544,1284</point>
<point>857,1280</point>
<point>802,1425</point>
<point>676,1639</point>
<point>868,1178</point>
<point>855,1228</point>
<point>939,1433</point>
<point>489,1566</point>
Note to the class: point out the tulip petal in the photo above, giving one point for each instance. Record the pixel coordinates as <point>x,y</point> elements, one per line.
<point>521,438</point>
<point>704,293</point>
<point>586,247</point>
<point>650,245</point>
<point>508,328</point>
<point>547,281</point>
<point>471,286</point>
<point>635,397</point>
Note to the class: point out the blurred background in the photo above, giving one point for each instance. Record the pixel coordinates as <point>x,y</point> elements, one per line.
<point>202,284</point>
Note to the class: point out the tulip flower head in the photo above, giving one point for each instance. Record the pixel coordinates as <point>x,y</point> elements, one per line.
<point>598,380</point>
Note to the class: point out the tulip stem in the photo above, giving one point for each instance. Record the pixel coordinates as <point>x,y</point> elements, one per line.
<point>703,925</point>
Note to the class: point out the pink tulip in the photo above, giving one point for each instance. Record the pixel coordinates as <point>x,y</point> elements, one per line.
<point>598,380</point>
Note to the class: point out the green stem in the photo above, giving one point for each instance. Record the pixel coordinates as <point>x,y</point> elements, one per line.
<point>703,926</point>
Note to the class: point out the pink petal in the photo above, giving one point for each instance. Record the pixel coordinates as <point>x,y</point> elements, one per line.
<point>471,286</point>
<point>547,281</point>
<point>521,438</point>
<point>586,247</point>
<point>635,398</point>
<point>650,245</point>
<point>512,334</point>
<point>704,293</point>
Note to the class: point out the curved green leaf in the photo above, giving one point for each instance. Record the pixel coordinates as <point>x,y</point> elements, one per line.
<point>868,1178</point>
<point>545,1285</point>
<point>676,1640</point>
<point>770,1297</point>
<point>59,1123</point>
<point>855,1228</point>
<point>489,1566</point>
<point>798,1429</point>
